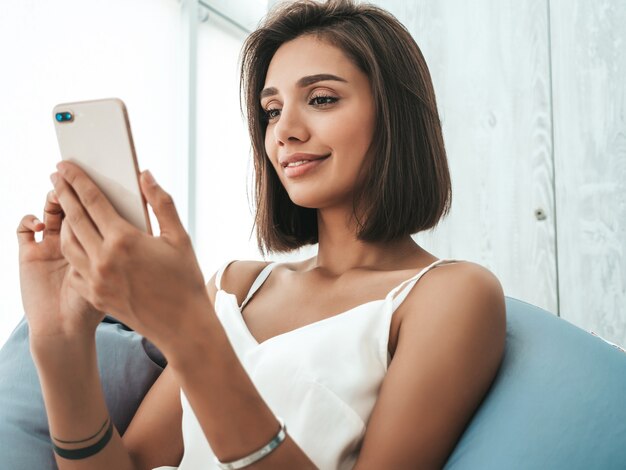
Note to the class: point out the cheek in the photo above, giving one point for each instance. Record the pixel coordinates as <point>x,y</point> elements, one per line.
<point>353,134</point>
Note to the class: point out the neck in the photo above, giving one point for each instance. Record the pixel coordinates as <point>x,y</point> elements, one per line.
<point>340,251</point>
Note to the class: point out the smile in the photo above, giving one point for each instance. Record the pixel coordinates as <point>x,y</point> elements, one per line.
<point>300,168</point>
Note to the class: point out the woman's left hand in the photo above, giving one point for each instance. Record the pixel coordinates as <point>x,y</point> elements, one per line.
<point>153,284</point>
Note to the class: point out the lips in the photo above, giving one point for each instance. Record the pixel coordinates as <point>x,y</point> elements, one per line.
<point>298,157</point>
<point>303,168</point>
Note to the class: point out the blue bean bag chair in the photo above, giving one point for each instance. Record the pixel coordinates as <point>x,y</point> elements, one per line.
<point>128,365</point>
<point>557,402</point>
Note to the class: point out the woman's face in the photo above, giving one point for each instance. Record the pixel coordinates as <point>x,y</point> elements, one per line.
<point>318,104</point>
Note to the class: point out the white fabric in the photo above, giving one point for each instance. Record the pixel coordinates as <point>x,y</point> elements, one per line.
<point>322,379</point>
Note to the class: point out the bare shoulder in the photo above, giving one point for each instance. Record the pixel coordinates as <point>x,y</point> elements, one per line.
<point>456,289</point>
<point>463,273</point>
<point>450,346</point>
<point>461,298</point>
<point>237,278</point>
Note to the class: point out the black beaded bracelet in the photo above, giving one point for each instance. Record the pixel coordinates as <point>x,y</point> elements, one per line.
<point>78,454</point>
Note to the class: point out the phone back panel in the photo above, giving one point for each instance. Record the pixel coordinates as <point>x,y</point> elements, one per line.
<point>98,139</point>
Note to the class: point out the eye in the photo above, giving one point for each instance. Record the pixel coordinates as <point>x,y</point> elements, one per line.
<point>323,100</point>
<point>270,114</point>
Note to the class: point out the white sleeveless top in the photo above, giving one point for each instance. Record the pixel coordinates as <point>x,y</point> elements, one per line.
<point>322,379</point>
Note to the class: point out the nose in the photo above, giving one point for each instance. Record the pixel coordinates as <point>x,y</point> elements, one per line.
<point>290,126</point>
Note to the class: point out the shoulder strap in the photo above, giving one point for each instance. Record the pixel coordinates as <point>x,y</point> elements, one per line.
<point>218,276</point>
<point>260,279</point>
<point>405,287</point>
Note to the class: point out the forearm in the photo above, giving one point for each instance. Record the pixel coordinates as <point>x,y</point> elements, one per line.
<point>234,417</point>
<point>74,401</point>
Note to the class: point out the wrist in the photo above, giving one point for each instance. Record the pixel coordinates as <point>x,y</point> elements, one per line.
<point>198,341</point>
<point>51,348</point>
<point>60,331</point>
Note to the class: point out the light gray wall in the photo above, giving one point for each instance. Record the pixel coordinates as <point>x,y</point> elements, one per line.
<point>589,83</point>
<point>532,98</point>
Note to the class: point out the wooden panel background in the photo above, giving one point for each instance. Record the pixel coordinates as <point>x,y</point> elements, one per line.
<point>489,61</point>
<point>589,77</point>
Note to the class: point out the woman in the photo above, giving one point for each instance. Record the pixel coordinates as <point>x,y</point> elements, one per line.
<point>366,366</point>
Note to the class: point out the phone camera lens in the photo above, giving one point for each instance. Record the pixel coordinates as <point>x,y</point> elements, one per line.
<point>64,116</point>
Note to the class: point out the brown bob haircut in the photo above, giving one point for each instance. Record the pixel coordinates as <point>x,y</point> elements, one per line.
<point>407,185</point>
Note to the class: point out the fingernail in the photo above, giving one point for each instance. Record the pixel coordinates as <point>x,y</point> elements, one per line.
<point>54,177</point>
<point>53,196</point>
<point>149,178</point>
<point>36,221</point>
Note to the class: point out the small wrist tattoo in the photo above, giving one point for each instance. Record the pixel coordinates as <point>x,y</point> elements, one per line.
<point>106,421</point>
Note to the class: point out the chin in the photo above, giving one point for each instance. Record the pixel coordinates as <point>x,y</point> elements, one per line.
<point>301,198</point>
<point>309,203</point>
<point>312,199</point>
<point>316,193</point>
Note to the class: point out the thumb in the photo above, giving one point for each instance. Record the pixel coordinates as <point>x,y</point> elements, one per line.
<point>163,206</point>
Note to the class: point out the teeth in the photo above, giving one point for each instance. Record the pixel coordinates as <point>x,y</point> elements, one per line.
<point>298,163</point>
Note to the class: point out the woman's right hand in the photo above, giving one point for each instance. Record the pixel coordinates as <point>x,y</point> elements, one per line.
<point>54,310</point>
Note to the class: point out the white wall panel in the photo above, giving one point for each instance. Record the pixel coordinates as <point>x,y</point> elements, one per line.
<point>589,70</point>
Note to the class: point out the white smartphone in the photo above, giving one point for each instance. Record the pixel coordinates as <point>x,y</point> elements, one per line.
<point>96,136</point>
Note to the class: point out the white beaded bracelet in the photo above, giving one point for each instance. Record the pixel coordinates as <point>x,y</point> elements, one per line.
<point>259,454</point>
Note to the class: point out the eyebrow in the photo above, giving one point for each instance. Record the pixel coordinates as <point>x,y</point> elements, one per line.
<point>304,82</point>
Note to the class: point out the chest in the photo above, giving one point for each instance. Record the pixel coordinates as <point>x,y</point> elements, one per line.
<point>283,303</point>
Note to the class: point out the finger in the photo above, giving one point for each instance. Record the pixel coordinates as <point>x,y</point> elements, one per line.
<point>72,250</point>
<point>163,207</point>
<point>100,210</point>
<point>27,228</point>
<point>76,215</point>
<point>52,215</point>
